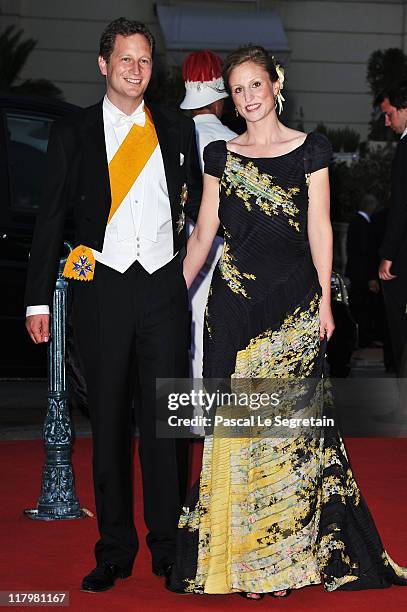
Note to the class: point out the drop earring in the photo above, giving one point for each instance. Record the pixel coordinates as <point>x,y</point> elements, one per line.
<point>237,112</point>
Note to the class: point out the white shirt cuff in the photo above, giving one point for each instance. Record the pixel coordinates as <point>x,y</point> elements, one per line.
<point>35,310</point>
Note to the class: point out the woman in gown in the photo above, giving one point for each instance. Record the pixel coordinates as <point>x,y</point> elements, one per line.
<point>271,514</point>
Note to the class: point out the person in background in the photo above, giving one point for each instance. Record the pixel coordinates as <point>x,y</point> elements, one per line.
<point>358,268</point>
<point>380,324</point>
<point>393,251</point>
<point>204,97</point>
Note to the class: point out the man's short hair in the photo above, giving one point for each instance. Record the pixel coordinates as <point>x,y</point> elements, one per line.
<point>369,203</point>
<point>398,96</point>
<point>124,27</point>
<point>380,98</point>
<point>208,107</point>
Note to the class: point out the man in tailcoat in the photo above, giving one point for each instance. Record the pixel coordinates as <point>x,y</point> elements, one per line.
<point>129,173</point>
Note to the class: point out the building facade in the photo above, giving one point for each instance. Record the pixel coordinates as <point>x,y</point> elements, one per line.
<point>328,43</point>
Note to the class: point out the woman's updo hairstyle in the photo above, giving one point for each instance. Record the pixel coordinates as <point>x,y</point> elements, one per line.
<point>250,53</point>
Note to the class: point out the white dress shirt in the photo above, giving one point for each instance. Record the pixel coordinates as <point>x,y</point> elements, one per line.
<point>364,214</point>
<point>209,128</point>
<point>141,228</point>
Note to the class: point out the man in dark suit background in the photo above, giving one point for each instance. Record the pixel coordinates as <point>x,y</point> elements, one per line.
<point>393,251</point>
<point>358,267</point>
<point>126,171</point>
<point>380,323</point>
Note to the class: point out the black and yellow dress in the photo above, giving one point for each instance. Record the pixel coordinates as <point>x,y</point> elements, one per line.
<point>272,513</point>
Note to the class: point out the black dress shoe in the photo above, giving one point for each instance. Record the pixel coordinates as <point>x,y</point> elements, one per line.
<point>103,577</point>
<point>163,567</point>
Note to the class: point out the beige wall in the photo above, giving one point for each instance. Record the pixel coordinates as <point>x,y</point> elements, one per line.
<point>68,33</point>
<point>330,43</point>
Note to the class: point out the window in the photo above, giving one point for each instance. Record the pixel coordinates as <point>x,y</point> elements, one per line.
<point>27,146</point>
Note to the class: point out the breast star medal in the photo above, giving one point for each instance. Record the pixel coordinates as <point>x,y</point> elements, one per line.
<point>80,264</point>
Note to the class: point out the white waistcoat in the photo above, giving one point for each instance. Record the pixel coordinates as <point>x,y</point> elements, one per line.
<point>141,228</point>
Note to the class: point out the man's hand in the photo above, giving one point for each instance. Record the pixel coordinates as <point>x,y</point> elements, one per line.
<point>374,286</point>
<point>38,327</point>
<point>384,270</point>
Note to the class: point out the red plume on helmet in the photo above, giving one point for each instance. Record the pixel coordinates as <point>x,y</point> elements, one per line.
<point>202,66</point>
<point>202,74</point>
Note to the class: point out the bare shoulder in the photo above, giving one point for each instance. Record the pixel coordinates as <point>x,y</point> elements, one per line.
<point>294,136</point>
<point>238,140</point>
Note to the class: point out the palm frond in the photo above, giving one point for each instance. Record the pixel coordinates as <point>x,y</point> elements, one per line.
<point>13,54</point>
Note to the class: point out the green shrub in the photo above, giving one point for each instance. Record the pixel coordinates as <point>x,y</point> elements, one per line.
<point>342,139</point>
<point>371,174</point>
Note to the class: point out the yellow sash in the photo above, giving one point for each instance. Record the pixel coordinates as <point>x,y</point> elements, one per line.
<point>124,169</point>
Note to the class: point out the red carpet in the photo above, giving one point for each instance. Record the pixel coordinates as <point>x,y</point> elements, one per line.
<point>55,556</point>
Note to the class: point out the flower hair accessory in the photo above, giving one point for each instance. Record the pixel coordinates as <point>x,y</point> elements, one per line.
<point>279,98</point>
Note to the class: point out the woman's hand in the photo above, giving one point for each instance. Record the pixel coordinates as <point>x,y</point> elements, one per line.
<point>326,321</point>
<point>200,241</point>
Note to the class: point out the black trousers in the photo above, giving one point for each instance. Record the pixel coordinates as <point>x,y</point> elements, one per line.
<point>131,328</point>
<point>395,299</point>
<point>361,307</point>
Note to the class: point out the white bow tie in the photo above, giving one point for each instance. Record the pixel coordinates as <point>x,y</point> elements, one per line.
<point>130,120</point>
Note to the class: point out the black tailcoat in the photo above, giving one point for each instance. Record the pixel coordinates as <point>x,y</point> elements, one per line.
<point>394,248</point>
<point>77,177</point>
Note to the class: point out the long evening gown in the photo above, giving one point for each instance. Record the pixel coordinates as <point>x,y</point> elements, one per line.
<point>272,513</point>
